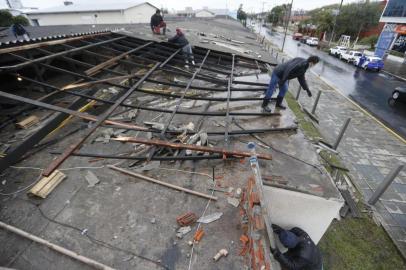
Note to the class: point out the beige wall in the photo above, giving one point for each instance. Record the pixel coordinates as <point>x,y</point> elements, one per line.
<point>139,14</point>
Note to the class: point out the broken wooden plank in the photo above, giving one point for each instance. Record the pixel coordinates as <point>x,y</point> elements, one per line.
<point>57,248</point>
<point>47,184</point>
<point>143,177</point>
<point>28,122</point>
<point>191,147</point>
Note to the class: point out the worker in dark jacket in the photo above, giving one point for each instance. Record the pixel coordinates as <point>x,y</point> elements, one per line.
<point>302,253</point>
<point>157,22</point>
<point>295,68</point>
<point>19,30</point>
<point>180,40</point>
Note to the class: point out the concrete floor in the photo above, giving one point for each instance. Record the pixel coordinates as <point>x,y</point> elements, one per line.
<point>139,216</point>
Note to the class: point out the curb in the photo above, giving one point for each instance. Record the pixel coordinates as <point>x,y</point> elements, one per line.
<point>393,75</point>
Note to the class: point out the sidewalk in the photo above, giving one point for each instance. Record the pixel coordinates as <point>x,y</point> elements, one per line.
<point>395,66</point>
<point>367,149</point>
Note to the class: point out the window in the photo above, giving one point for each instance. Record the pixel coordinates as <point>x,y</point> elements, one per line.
<point>35,22</point>
<point>395,8</point>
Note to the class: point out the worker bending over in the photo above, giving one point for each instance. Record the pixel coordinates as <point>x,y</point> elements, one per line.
<point>180,40</point>
<point>302,253</point>
<point>157,22</point>
<point>19,30</point>
<point>294,68</point>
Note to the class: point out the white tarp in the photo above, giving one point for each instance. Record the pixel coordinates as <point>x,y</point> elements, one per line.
<point>294,209</point>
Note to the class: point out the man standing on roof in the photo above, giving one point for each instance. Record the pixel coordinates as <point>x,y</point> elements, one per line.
<point>157,22</point>
<point>302,253</point>
<point>294,68</point>
<point>180,40</point>
<point>19,30</point>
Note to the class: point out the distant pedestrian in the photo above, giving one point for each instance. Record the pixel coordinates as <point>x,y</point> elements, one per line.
<point>294,68</point>
<point>157,22</point>
<point>19,30</point>
<point>302,253</point>
<point>362,60</point>
<point>180,40</point>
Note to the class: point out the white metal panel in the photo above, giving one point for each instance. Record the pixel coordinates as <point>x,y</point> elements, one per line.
<point>311,213</point>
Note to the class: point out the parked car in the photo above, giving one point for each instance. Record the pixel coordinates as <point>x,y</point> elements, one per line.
<point>303,39</point>
<point>372,63</point>
<point>297,36</point>
<point>350,56</point>
<point>398,95</point>
<point>313,41</point>
<point>337,50</point>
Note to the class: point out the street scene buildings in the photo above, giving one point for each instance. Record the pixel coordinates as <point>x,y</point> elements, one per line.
<point>172,135</point>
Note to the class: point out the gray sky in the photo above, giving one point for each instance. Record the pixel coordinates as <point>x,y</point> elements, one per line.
<point>249,5</point>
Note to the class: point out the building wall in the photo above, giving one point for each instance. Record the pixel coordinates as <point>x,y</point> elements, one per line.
<point>204,14</point>
<point>395,12</point>
<point>79,18</point>
<point>392,38</point>
<point>139,14</point>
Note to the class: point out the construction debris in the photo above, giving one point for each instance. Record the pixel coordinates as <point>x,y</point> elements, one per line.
<point>198,235</point>
<point>47,184</point>
<point>186,219</point>
<point>28,122</point>
<point>210,218</point>
<point>222,253</point>
<point>225,152</point>
<point>233,201</point>
<point>183,231</point>
<point>91,179</point>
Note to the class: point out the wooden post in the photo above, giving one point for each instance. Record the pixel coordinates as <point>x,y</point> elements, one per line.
<point>57,248</point>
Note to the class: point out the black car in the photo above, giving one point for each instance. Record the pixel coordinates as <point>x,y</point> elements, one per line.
<point>398,95</point>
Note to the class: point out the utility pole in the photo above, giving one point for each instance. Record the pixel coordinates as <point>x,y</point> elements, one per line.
<point>262,14</point>
<point>334,24</point>
<point>287,24</point>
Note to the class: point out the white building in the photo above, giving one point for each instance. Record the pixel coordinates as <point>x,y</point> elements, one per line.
<point>204,13</point>
<point>97,13</point>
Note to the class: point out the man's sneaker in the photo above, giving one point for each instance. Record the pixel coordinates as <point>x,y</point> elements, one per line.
<point>266,109</point>
<point>279,103</point>
<point>280,106</point>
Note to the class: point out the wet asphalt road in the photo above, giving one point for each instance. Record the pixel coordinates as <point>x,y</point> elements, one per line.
<point>371,90</point>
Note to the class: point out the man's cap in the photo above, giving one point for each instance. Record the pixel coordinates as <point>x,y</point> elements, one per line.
<point>288,239</point>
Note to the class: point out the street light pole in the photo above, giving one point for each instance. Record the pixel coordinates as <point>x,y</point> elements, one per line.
<point>287,25</point>
<point>335,22</point>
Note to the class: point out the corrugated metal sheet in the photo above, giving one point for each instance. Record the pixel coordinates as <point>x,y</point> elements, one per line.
<point>46,33</point>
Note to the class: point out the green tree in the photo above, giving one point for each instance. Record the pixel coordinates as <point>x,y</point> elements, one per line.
<point>6,19</point>
<point>277,14</point>
<point>21,20</point>
<point>352,19</point>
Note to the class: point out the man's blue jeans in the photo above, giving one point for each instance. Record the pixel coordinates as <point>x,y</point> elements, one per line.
<point>272,86</point>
